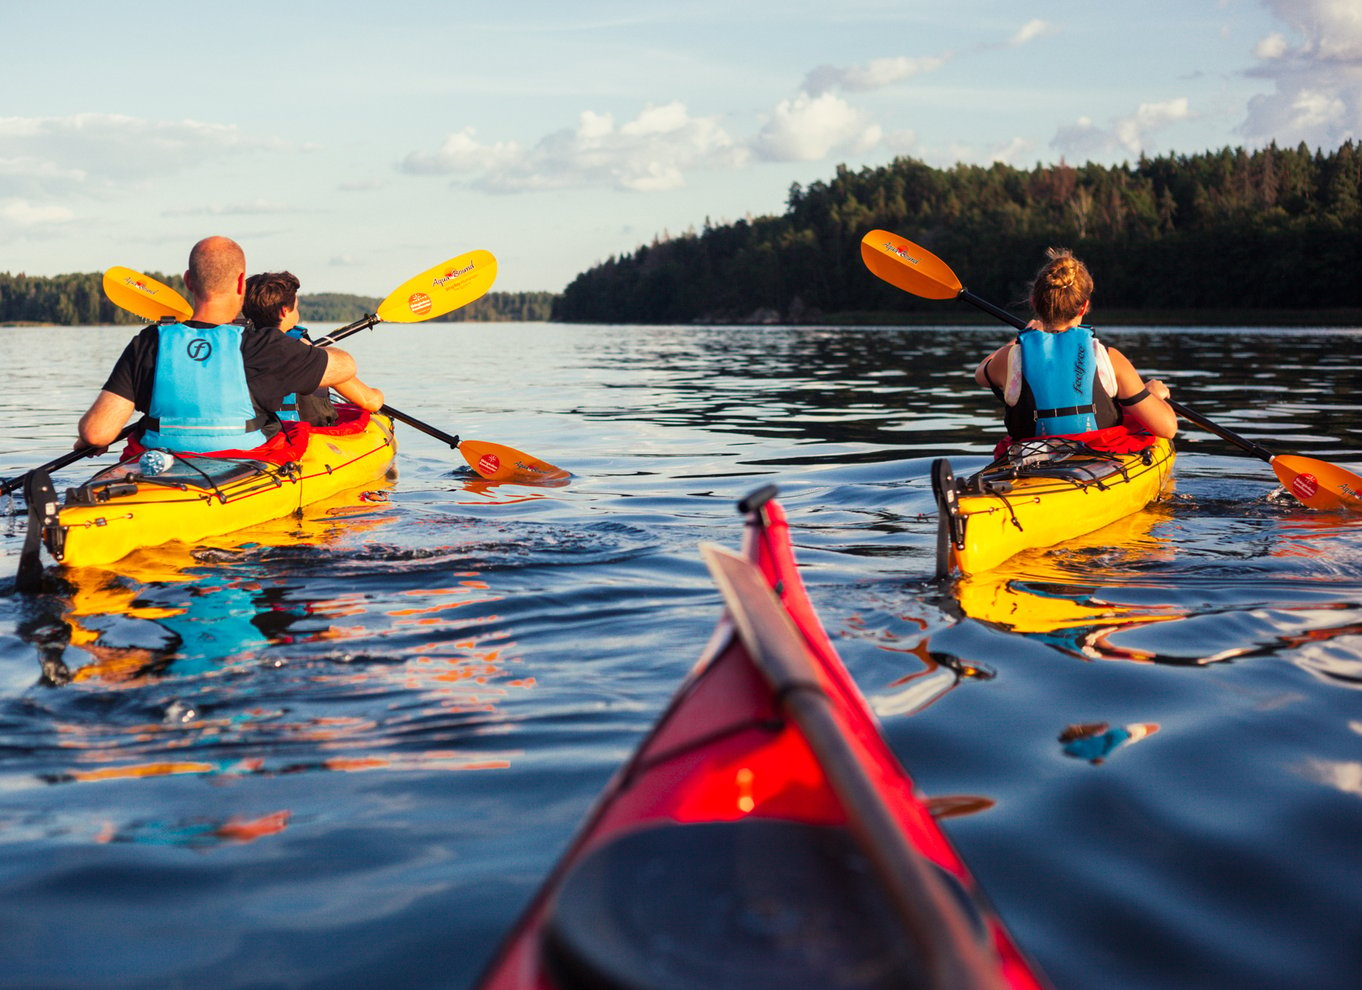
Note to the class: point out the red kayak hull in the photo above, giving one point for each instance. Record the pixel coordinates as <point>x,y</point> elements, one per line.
<point>732,747</point>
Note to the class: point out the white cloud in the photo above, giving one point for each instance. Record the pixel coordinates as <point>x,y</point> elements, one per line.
<point>1030,31</point>
<point>650,153</point>
<point>23,214</point>
<point>1272,47</point>
<point>809,128</point>
<point>877,74</point>
<point>1130,136</point>
<point>1012,152</point>
<point>1132,132</point>
<point>93,151</point>
<point>1316,71</point>
<point>461,152</point>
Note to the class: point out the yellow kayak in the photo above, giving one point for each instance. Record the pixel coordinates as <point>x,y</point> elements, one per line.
<point>121,510</point>
<point>1042,493</point>
<point>1077,599</point>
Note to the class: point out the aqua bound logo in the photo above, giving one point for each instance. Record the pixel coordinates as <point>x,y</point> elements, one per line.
<point>901,252</point>
<point>451,276</point>
<point>139,285</point>
<point>199,349</point>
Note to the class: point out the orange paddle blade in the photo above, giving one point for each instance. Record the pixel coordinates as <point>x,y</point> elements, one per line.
<point>908,266</point>
<point>440,290</point>
<point>1319,484</point>
<point>497,462</point>
<point>143,295</point>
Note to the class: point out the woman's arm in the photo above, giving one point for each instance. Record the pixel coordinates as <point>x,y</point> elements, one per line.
<point>982,374</point>
<point>1144,401</point>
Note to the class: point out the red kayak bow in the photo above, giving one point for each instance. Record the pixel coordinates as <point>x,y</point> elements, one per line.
<point>763,835</point>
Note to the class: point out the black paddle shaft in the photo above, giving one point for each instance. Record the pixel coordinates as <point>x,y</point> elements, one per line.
<point>425,428</point>
<point>991,309</point>
<point>14,484</point>
<point>1242,442</point>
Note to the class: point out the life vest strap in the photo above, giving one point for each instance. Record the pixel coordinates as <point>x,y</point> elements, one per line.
<point>1065,411</point>
<point>154,423</point>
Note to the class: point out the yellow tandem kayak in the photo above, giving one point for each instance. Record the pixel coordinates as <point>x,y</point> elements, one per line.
<point>121,510</point>
<point>1041,494</point>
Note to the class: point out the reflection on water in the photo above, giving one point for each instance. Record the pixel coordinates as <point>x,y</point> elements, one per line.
<point>1137,739</point>
<point>1080,597</point>
<point>193,633</point>
<point>1097,741</point>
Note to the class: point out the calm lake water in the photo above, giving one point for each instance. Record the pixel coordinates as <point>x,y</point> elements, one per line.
<point>346,752</point>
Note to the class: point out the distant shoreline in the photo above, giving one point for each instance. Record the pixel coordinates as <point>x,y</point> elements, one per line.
<point>964,316</point>
<point>1285,318</point>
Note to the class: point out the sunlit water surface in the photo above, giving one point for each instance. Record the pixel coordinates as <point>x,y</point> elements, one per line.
<point>345,752</point>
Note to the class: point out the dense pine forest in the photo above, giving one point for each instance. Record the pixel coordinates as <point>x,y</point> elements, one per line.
<point>79,300</point>
<point>1228,234</point>
<point>1273,235</point>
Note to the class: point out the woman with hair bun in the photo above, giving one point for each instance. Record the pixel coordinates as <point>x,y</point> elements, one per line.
<point>1057,379</point>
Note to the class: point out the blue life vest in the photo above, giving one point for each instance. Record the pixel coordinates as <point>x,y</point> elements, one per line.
<point>200,401</point>
<point>288,409</point>
<point>1060,369</point>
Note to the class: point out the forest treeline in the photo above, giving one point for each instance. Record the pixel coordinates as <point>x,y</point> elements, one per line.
<point>495,307</point>
<point>1230,230</point>
<point>79,300</point>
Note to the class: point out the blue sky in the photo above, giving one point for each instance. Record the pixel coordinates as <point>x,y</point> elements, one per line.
<point>358,144</point>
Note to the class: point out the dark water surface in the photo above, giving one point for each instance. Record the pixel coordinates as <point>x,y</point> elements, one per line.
<point>345,753</point>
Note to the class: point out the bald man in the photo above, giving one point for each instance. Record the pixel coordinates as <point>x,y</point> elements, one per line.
<point>210,384</point>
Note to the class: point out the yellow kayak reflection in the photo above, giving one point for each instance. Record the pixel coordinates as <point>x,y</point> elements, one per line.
<point>183,634</point>
<point>168,605</point>
<point>1078,596</point>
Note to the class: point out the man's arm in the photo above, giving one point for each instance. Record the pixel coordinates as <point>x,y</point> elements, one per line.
<point>340,367</point>
<point>340,375</point>
<point>364,396</point>
<point>103,421</point>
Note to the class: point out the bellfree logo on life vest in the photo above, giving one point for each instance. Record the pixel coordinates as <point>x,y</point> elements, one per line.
<point>199,349</point>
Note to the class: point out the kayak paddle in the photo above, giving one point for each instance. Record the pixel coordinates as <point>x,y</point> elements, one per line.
<point>448,286</point>
<point>1318,484</point>
<point>492,461</point>
<point>916,270</point>
<point>57,463</point>
<point>142,294</point>
<point>435,292</point>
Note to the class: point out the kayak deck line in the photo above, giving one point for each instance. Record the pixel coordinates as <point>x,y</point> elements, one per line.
<point>121,510</point>
<point>255,477</point>
<point>1029,501</point>
<point>763,834</point>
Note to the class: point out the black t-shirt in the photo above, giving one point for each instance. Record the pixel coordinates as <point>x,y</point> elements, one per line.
<point>276,365</point>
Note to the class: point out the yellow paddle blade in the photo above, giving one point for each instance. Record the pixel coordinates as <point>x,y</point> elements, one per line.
<point>143,295</point>
<point>1319,484</point>
<point>442,289</point>
<point>908,266</point>
<point>497,462</point>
